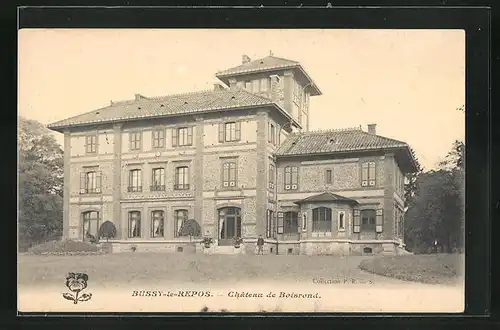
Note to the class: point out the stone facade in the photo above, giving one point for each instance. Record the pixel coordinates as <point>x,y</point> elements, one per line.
<point>231,187</point>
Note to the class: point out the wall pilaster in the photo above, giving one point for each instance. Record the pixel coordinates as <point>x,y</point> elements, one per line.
<point>117,173</point>
<point>66,182</point>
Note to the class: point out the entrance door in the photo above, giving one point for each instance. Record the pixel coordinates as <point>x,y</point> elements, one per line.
<point>229,225</point>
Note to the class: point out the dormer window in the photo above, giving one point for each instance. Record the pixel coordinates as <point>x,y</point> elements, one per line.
<point>332,141</point>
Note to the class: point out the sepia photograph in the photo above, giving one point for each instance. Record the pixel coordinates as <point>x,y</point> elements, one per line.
<point>241,170</point>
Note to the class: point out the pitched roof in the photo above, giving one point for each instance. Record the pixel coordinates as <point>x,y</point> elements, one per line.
<point>269,63</point>
<point>327,197</point>
<point>263,64</point>
<point>345,140</point>
<point>170,105</point>
<point>329,141</point>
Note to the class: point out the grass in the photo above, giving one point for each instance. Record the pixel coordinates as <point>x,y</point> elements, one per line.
<point>63,246</point>
<point>430,268</point>
<point>154,268</point>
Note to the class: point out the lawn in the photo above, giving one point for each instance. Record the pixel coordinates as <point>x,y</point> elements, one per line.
<point>432,269</point>
<point>151,268</point>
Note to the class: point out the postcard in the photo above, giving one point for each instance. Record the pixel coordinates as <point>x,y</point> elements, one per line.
<point>227,170</point>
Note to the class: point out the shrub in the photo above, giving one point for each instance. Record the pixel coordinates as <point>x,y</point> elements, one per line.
<point>107,230</point>
<point>63,246</point>
<point>190,228</point>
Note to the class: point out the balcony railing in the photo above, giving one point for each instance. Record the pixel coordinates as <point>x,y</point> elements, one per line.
<point>183,186</point>
<point>157,188</point>
<point>90,191</point>
<point>135,189</point>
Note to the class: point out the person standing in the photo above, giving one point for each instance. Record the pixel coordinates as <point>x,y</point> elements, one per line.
<point>260,245</point>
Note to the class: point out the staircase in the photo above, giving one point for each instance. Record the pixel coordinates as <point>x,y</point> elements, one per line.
<point>219,249</point>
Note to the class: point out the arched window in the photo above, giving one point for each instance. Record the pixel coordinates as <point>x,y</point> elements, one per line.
<point>90,225</point>
<point>134,224</point>
<point>291,222</point>
<point>157,223</point>
<point>368,220</point>
<point>322,219</point>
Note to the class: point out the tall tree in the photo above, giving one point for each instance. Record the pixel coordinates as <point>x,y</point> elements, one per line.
<point>40,183</point>
<point>436,214</point>
<point>411,182</point>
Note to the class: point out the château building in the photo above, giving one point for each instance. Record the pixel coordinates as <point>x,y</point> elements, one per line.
<point>240,160</point>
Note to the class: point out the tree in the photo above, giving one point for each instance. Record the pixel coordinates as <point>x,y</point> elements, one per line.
<point>411,182</point>
<point>107,230</point>
<point>40,183</point>
<point>436,212</point>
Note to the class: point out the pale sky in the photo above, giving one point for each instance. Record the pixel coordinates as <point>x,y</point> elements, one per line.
<point>408,82</point>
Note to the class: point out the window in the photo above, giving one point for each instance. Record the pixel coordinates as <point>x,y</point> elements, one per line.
<point>280,221</point>
<point>91,144</point>
<point>264,84</point>
<point>240,84</point>
<point>304,222</point>
<point>229,174</point>
<point>182,136</point>
<point>270,224</point>
<point>229,132</point>
<point>90,182</point>
<point>368,174</point>
<point>368,220</point>
<point>135,140</point>
<point>291,222</point>
<point>322,219</point>
<point>157,223</point>
<point>134,180</point>
<point>180,217</point>
<point>272,134</point>
<point>158,179</point>
<point>90,226</point>
<point>291,178</point>
<point>248,86</point>
<point>329,176</point>
<point>158,138</point>
<point>272,174</point>
<point>181,178</point>
<point>134,224</point>
<point>341,222</point>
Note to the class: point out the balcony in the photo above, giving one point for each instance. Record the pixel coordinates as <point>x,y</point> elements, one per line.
<point>135,189</point>
<point>85,191</point>
<point>157,188</point>
<point>183,186</point>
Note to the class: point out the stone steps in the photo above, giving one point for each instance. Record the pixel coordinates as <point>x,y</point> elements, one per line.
<point>215,249</point>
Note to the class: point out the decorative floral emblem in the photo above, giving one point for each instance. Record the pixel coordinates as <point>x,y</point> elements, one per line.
<point>77,282</point>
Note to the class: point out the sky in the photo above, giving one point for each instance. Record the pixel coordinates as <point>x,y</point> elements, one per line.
<point>408,82</point>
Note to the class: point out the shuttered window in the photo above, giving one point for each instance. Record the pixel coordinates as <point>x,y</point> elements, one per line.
<point>182,136</point>
<point>90,182</point>
<point>368,174</point>
<point>291,178</point>
<point>280,223</point>
<point>379,221</point>
<point>229,174</point>
<point>229,132</point>
<point>356,221</point>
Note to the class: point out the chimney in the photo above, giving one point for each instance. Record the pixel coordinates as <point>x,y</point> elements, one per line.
<point>372,129</point>
<point>232,84</point>
<point>139,97</point>
<point>245,59</point>
<point>218,87</point>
